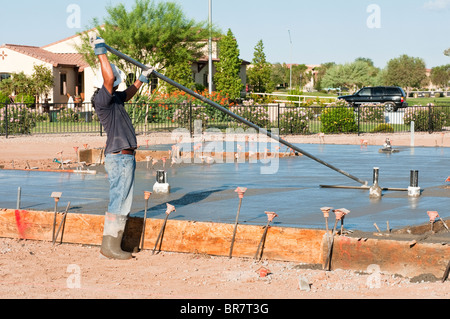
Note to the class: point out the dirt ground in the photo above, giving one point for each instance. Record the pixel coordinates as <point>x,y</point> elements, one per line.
<point>36,270</point>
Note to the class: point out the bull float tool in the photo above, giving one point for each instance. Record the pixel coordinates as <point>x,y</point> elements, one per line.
<point>241,191</point>
<point>260,250</point>
<point>146,197</point>
<point>170,209</point>
<point>228,112</point>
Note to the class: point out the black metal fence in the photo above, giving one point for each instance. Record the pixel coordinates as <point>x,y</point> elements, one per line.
<point>16,119</point>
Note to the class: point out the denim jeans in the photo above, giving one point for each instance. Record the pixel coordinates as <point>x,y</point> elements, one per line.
<point>120,169</point>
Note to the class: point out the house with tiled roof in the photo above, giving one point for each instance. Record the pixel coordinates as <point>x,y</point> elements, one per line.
<point>72,75</point>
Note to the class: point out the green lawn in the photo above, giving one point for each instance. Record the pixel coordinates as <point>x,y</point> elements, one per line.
<point>426,100</point>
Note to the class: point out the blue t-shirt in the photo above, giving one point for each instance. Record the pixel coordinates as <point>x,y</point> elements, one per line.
<point>116,122</point>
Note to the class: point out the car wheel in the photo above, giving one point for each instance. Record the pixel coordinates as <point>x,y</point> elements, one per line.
<point>390,107</point>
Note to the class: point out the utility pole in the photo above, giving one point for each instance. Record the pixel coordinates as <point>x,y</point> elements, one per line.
<point>290,83</point>
<point>210,68</point>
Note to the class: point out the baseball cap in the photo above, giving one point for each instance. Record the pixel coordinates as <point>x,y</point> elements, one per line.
<point>119,75</point>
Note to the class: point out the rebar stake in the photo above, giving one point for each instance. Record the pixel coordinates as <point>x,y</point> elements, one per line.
<point>159,240</point>
<point>260,250</point>
<point>146,197</point>
<point>241,191</point>
<point>56,196</point>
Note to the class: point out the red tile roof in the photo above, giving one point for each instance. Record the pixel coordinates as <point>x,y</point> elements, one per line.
<point>56,59</point>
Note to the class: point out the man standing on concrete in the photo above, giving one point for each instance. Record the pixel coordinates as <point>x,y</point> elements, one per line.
<point>120,162</point>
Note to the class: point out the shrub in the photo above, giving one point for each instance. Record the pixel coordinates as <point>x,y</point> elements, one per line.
<point>183,113</point>
<point>24,98</point>
<point>256,114</point>
<point>19,117</point>
<point>425,118</point>
<point>338,120</point>
<point>4,98</point>
<point>67,116</point>
<point>383,128</point>
<point>371,113</point>
<point>295,121</point>
<point>172,106</point>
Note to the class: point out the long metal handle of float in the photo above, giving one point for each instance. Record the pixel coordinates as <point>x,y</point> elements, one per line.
<point>233,115</point>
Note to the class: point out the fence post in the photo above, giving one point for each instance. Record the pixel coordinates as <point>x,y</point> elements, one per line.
<point>430,119</point>
<point>6,120</point>
<point>359,122</point>
<point>278,117</point>
<point>146,119</point>
<point>191,129</point>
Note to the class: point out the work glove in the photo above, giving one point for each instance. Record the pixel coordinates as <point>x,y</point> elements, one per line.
<point>144,78</point>
<point>99,46</point>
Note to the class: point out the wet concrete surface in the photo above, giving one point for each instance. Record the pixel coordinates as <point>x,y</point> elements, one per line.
<point>203,192</point>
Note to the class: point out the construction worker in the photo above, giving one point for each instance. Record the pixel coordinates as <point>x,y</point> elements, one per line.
<point>120,162</point>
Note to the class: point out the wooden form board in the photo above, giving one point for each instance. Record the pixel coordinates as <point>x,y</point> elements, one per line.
<point>285,244</point>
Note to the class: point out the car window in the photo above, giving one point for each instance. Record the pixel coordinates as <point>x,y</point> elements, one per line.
<point>393,91</point>
<point>378,91</point>
<point>365,92</point>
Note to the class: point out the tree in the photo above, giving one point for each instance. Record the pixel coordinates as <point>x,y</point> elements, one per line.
<point>156,34</point>
<point>21,84</point>
<point>405,71</point>
<point>42,81</point>
<point>440,76</point>
<point>227,77</point>
<point>351,75</point>
<point>299,76</point>
<point>447,52</point>
<point>259,74</point>
<point>181,72</point>
<point>322,70</point>
<point>6,88</point>
<point>279,75</point>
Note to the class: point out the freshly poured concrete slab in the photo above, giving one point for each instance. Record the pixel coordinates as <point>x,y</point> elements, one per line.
<point>204,192</point>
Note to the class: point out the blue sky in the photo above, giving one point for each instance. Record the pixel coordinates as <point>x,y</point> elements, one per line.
<point>321,30</point>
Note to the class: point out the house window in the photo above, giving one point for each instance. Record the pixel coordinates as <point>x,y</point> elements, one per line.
<point>63,83</point>
<point>153,83</point>
<point>80,83</point>
<point>4,76</point>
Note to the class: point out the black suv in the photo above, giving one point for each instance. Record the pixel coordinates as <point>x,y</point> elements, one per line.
<point>392,97</point>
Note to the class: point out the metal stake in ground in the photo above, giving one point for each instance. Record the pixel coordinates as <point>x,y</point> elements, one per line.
<point>159,240</point>
<point>146,197</point>
<point>260,250</point>
<point>63,225</point>
<point>326,213</point>
<point>433,216</point>
<point>228,112</point>
<point>340,213</point>
<point>19,195</point>
<point>241,191</point>
<point>327,265</point>
<point>447,271</point>
<point>56,196</point>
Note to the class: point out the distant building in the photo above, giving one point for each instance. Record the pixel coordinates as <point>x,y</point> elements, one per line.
<point>311,69</point>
